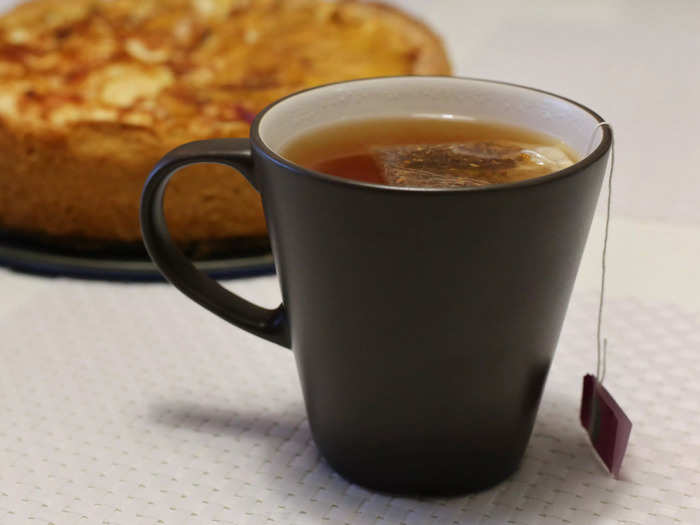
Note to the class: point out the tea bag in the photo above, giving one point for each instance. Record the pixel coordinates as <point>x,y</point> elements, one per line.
<point>466,164</point>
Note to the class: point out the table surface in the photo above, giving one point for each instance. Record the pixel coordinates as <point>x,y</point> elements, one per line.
<point>128,404</point>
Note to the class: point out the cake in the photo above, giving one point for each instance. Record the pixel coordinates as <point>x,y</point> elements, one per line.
<point>94,92</point>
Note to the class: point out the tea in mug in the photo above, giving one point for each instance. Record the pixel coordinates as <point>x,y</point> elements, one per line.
<point>424,152</point>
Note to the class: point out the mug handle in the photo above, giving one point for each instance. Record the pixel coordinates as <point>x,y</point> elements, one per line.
<point>178,269</point>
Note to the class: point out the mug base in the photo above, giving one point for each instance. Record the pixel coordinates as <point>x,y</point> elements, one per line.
<point>431,484</point>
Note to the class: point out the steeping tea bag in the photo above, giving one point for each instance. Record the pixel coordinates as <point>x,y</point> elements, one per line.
<point>465,164</point>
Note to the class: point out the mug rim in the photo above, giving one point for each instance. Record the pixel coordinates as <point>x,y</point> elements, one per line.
<point>595,155</point>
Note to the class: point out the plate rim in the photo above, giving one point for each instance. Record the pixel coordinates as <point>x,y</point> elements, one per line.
<point>35,260</point>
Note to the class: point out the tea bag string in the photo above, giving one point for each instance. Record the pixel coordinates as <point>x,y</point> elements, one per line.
<point>601,342</point>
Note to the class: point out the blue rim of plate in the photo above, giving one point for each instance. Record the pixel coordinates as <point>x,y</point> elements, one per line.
<point>40,261</point>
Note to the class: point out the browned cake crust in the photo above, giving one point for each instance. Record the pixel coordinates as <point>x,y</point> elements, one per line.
<point>93,93</point>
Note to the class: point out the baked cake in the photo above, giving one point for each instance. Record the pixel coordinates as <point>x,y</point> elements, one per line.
<point>94,92</point>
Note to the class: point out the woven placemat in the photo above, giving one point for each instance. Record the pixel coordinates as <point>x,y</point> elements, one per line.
<point>127,404</point>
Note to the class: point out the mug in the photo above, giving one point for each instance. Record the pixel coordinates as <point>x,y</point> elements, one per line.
<point>423,321</point>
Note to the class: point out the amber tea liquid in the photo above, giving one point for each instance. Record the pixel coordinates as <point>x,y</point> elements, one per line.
<point>429,152</point>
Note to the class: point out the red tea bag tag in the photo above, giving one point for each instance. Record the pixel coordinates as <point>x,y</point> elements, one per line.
<point>607,425</point>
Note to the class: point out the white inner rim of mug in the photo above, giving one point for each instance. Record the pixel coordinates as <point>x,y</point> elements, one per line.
<point>446,97</point>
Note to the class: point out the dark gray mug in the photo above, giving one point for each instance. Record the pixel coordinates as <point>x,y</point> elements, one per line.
<point>423,321</point>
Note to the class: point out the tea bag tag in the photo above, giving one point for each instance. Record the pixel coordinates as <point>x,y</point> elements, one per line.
<point>607,424</point>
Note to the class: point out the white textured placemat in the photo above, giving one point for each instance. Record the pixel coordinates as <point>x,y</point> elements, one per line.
<point>128,404</point>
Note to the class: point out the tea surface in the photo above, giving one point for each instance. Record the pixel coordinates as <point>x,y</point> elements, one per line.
<point>429,152</point>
